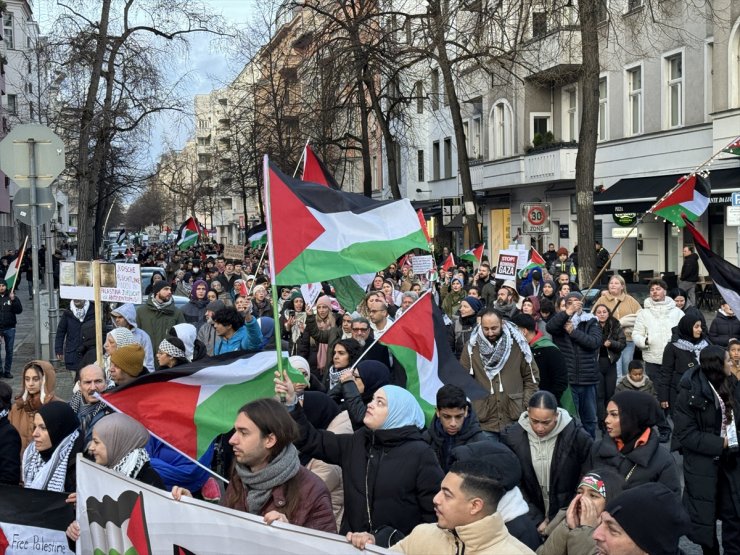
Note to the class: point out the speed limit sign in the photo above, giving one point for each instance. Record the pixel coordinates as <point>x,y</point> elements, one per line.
<point>535,217</point>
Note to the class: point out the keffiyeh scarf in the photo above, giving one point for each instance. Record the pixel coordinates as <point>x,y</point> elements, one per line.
<point>49,475</point>
<point>131,464</point>
<point>494,356</point>
<point>694,348</point>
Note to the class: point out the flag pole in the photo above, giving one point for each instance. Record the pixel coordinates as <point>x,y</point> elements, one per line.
<point>367,349</point>
<point>303,155</point>
<point>259,265</point>
<point>18,266</point>
<point>680,182</point>
<point>271,260</point>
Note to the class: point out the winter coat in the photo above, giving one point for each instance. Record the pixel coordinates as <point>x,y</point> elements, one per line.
<point>569,452</point>
<point>314,511</point>
<point>625,385</point>
<point>128,311</point>
<point>156,322</point>
<point>653,326</point>
<point>724,328</point>
<point>22,412</point>
<point>10,453</point>
<point>623,307</point>
<point>697,421</point>
<point>690,268</point>
<point>646,463</point>
<point>246,338</point>
<point>8,311</point>
<point>451,302</point>
<point>487,536</point>
<point>580,348</point>
<point>561,540</point>
<point>557,267</point>
<point>510,390</point>
<point>195,312</point>
<point>68,339</point>
<point>615,334</point>
<point>458,334</point>
<point>551,364</point>
<point>207,334</point>
<point>676,361</point>
<point>443,444</point>
<point>399,468</point>
<point>175,469</point>
<point>330,337</point>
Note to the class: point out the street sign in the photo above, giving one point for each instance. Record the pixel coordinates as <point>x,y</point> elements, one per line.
<point>44,201</point>
<point>733,216</point>
<point>15,154</point>
<point>536,217</point>
<point>736,198</point>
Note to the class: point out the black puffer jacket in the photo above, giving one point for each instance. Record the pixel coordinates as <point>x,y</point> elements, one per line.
<point>10,449</point>
<point>399,468</point>
<point>647,463</point>
<point>580,348</point>
<point>8,311</point>
<point>697,428</point>
<point>569,458</point>
<point>724,328</point>
<point>675,362</point>
<point>444,444</point>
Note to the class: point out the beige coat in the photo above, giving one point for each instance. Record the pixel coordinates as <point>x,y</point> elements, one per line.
<point>510,389</point>
<point>626,311</point>
<point>487,536</point>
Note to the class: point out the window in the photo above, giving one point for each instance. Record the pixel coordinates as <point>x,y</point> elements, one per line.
<point>419,94</point>
<point>204,158</point>
<point>31,110</point>
<point>435,89</point>
<point>30,69</point>
<point>603,111</point>
<point>570,114</point>
<point>501,130</point>
<point>203,124</point>
<point>674,94</point>
<point>407,28</point>
<point>634,101</point>
<point>420,165</point>
<point>539,24</point>
<point>8,31</point>
<point>448,157</point>
<point>541,125</point>
<point>474,150</point>
<point>435,160</point>
<point>227,203</point>
<point>29,87</point>
<point>203,141</point>
<point>12,104</point>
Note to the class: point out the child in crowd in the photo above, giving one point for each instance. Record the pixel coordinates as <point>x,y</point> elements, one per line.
<point>733,346</point>
<point>636,379</point>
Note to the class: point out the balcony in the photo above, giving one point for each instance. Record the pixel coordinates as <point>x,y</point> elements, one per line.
<point>555,164</point>
<point>554,56</point>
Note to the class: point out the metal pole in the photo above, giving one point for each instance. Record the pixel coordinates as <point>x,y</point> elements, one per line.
<point>53,305</point>
<point>35,248</point>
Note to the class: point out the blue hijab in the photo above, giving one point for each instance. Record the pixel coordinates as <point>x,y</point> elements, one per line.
<point>403,409</point>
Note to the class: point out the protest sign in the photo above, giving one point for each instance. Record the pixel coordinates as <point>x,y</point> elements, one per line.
<point>422,264</point>
<point>234,252</point>
<point>119,282</point>
<point>508,262</point>
<point>311,292</point>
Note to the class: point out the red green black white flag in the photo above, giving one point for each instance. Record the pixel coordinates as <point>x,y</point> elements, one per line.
<point>315,171</point>
<point>690,198</point>
<point>733,148</point>
<point>474,254</point>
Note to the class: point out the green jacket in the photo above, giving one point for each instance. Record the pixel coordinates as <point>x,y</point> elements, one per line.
<point>158,321</point>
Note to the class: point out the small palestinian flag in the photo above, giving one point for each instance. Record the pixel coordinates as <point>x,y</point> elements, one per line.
<point>33,521</point>
<point>11,276</point>
<point>315,171</point>
<point>257,236</point>
<point>418,341</point>
<point>449,263</point>
<point>118,526</point>
<point>203,397</point>
<point>726,276</point>
<point>121,237</point>
<point>474,254</point>
<point>188,235</point>
<point>734,148</point>
<point>689,198</point>
<point>319,234</point>
<point>535,261</point>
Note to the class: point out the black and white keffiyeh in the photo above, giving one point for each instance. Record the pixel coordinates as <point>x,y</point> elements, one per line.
<point>49,475</point>
<point>494,356</point>
<point>168,348</point>
<point>131,464</point>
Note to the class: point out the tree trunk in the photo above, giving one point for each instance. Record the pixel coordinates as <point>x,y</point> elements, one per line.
<point>587,138</point>
<point>87,176</point>
<point>367,178</point>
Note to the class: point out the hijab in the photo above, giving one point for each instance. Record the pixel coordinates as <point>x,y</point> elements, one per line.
<point>120,434</point>
<point>403,409</point>
<point>374,375</point>
<point>320,409</point>
<point>194,288</point>
<point>60,421</point>
<point>686,328</point>
<point>638,411</point>
<point>122,336</point>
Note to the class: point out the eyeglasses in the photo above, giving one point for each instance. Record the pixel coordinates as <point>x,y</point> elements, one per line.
<point>363,330</point>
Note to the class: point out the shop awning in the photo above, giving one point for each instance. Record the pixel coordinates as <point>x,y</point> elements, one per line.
<point>638,194</point>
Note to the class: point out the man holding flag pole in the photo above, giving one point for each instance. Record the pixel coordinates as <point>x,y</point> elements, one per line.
<point>10,307</point>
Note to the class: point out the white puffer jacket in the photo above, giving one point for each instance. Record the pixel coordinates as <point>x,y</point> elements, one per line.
<point>653,326</point>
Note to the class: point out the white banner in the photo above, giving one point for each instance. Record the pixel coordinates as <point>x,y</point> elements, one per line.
<point>115,512</point>
<point>422,264</point>
<point>119,283</point>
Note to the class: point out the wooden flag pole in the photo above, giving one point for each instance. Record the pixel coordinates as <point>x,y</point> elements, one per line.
<point>98,314</point>
<point>20,261</point>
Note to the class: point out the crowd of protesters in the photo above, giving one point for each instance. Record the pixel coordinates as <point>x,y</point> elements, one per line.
<point>570,451</point>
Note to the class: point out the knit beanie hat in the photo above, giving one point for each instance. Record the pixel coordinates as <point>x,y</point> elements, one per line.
<point>474,303</point>
<point>456,279</point>
<point>157,287</point>
<point>652,516</point>
<point>122,336</point>
<point>562,250</point>
<point>129,359</point>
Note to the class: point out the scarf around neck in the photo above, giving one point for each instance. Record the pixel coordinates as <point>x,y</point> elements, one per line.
<point>495,356</point>
<point>261,483</point>
<point>130,465</point>
<point>79,313</point>
<point>693,348</point>
<point>49,475</point>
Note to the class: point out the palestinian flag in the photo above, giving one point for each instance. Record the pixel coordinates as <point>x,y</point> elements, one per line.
<point>424,227</point>
<point>474,254</point>
<point>449,263</point>
<point>118,526</point>
<point>257,236</point>
<point>733,148</point>
<point>319,234</point>
<point>418,341</point>
<point>11,276</point>
<point>726,276</point>
<point>203,397</point>
<point>690,197</point>
<point>350,290</point>
<point>315,171</point>
<point>33,521</point>
<point>188,234</point>
<point>535,261</point>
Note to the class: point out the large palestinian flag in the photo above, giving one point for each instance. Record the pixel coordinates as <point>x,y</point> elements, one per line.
<point>189,405</point>
<point>689,198</point>
<point>351,290</point>
<point>33,521</point>
<point>317,234</point>
<point>118,526</point>
<point>726,276</point>
<point>418,341</point>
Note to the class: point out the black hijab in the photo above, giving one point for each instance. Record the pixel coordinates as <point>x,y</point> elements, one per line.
<point>60,421</point>
<point>637,412</point>
<point>686,328</point>
<point>374,375</point>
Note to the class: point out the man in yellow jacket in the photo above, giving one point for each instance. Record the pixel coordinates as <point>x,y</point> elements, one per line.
<point>467,518</point>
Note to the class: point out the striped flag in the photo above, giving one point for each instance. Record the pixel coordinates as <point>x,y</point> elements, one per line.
<point>319,234</point>
<point>690,198</point>
<point>315,171</point>
<point>188,234</point>
<point>203,397</point>
<point>257,236</point>
<point>733,148</point>
<point>11,276</point>
<point>535,261</point>
<point>474,254</point>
